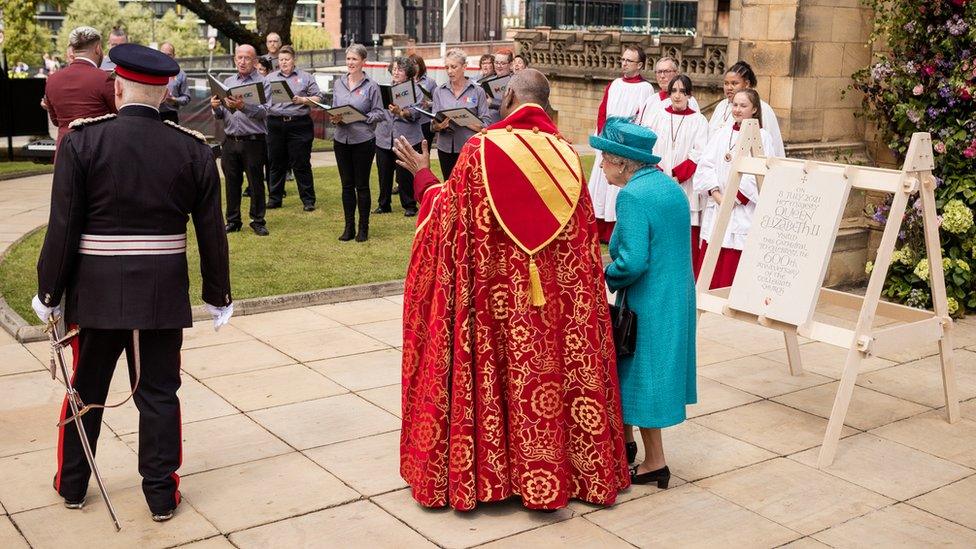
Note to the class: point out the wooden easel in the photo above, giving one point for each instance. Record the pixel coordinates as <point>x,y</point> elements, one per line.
<point>916,327</point>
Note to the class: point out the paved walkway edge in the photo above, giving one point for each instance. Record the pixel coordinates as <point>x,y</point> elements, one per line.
<point>24,332</point>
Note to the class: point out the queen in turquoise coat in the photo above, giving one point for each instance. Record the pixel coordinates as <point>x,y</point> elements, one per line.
<point>651,258</point>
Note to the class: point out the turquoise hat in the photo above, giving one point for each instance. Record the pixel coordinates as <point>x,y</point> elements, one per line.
<point>623,138</point>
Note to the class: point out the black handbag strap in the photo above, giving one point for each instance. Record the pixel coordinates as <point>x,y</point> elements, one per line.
<point>623,299</point>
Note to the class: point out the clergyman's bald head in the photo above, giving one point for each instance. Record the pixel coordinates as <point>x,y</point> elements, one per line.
<point>530,86</point>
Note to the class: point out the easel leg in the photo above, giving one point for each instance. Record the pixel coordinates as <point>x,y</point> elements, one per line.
<point>841,404</point>
<point>947,357</point>
<point>793,353</point>
<point>941,305</point>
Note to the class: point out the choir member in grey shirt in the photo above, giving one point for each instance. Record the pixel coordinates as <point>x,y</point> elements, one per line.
<point>291,131</point>
<point>244,149</point>
<point>458,92</point>
<point>428,84</point>
<point>355,142</point>
<point>398,122</point>
<point>178,93</point>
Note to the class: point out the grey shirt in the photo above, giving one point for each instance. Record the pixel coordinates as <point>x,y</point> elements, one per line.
<point>179,91</point>
<point>301,84</point>
<point>367,99</point>
<point>472,97</point>
<point>392,126</point>
<point>251,119</point>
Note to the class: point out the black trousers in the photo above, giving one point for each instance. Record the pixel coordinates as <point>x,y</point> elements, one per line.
<point>448,160</point>
<point>386,166</point>
<point>173,116</point>
<point>160,451</point>
<point>290,146</point>
<point>237,158</point>
<point>355,163</point>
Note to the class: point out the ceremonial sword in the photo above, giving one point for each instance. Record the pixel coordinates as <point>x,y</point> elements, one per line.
<point>78,407</point>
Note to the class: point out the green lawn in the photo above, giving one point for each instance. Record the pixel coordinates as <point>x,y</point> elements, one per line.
<point>24,168</point>
<point>320,145</point>
<point>301,254</point>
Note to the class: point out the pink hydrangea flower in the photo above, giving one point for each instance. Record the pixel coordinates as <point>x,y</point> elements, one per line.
<point>940,147</point>
<point>969,152</point>
<point>918,89</point>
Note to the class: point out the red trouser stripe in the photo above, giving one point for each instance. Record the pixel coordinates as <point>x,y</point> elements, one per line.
<point>64,407</point>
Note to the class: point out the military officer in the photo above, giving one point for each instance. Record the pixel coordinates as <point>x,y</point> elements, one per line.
<point>124,187</point>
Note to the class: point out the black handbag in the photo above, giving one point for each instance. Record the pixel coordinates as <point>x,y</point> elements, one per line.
<point>624,323</point>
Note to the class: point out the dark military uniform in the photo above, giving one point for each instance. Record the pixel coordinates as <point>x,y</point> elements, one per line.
<point>124,188</point>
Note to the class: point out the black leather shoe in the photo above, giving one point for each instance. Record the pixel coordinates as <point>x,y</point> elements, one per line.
<point>68,502</point>
<point>347,234</point>
<point>631,451</point>
<point>232,227</point>
<point>410,213</point>
<point>164,515</point>
<point>260,230</point>
<point>273,205</point>
<point>661,476</point>
<point>363,234</point>
<point>309,207</point>
<point>382,210</point>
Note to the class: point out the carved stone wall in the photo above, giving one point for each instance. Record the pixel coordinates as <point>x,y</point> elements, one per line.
<point>581,64</point>
<point>596,55</point>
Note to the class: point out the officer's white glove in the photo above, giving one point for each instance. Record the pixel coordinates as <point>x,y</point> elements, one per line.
<point>44,312</point>
<point>221,315</point>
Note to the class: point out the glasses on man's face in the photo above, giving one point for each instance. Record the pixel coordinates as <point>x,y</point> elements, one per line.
<point>665,71</point>
<point>625,60</point>
<point>501,63</point>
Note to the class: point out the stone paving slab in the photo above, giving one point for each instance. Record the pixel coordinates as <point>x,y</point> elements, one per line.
<point>293,442</point>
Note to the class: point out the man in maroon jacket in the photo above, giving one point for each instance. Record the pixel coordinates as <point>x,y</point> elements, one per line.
<point>81,90</point>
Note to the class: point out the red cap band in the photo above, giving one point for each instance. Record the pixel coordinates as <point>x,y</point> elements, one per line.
<point>140,77</point>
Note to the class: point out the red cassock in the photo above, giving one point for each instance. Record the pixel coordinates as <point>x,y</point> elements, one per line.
<point>509,371</point>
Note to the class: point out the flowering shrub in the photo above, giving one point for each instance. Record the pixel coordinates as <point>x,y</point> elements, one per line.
<point>925,80</point>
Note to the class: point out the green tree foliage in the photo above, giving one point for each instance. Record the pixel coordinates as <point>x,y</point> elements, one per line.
<point>138,22</point>
<point>306,37</point>
<point>24,40</point>
<point>925,81</point>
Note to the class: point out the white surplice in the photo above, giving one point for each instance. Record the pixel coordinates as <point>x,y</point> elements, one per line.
<point>681,140</point>
<point>713,172</point>
<point>623,97</point>
<point>722,116</point>
<point>658,102</point>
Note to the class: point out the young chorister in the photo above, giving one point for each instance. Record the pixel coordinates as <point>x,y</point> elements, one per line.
<point>740,77</point>
<point>682,134</point>
<point>710,180</point>
<point>665,70</point>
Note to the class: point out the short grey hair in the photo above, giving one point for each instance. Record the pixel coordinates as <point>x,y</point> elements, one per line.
<point>358,50</point>
<point>672,60</point>
<point>137,92</point>
<point>629,164</point>
<point>82,38</point>
<point>118,33</point>
<point>457,54</point>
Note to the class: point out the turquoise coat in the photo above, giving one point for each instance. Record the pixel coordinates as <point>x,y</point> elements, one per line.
<point>651,253</point>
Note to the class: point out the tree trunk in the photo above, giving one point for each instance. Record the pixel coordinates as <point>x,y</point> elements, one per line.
<point>275,16</point>
<point>271,15</point>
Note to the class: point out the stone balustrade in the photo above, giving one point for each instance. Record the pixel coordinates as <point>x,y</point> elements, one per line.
<point>595,55</point>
